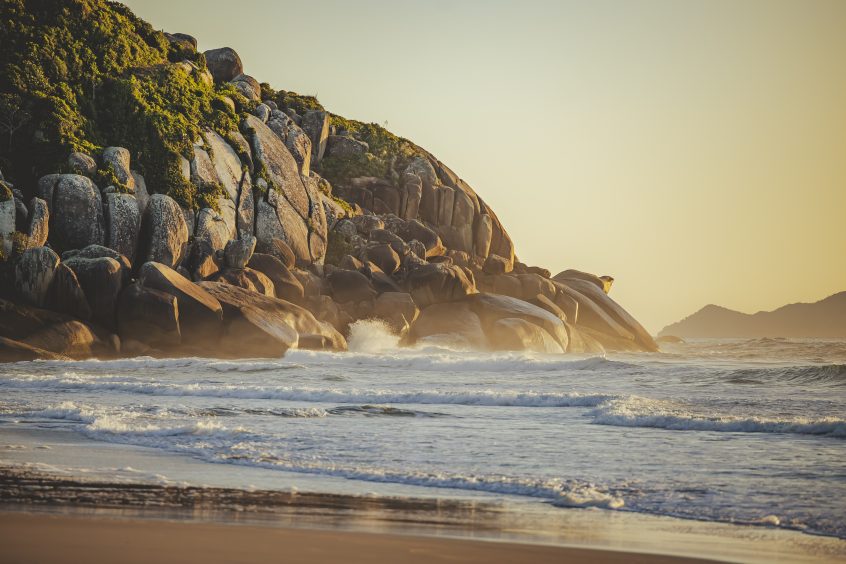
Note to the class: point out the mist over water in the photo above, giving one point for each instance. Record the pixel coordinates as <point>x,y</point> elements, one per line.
<point>735,431</point>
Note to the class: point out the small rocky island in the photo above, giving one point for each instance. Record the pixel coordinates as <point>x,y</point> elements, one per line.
<point>155,200</point>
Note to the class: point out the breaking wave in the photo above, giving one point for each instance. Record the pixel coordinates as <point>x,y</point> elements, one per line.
<point>308,394</point>
<point>643,412</point>
<point>833,374</point>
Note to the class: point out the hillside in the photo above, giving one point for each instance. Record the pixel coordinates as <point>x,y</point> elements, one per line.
<point>823,319</point>
<point>159,200</point>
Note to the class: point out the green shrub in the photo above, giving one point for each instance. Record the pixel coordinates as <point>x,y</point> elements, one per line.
<point>297,102</point>
<point>54,58</point>
<point>339,170</point>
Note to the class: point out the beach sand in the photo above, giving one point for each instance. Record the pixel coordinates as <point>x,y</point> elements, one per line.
<point>63,517</point>
<point>28,538</point>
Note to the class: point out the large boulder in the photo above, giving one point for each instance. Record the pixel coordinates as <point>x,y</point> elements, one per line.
<point>76,211</point>
<point>212,227</point>
<point>246,278</point>
<point>496,264</point>
<point>38,229</point>
<point>118,159</point>
<point>286,285</point>
<point>248,87</point>
<point>202,172</point>
<point>200,314</point>
<point>366,223</point>
<point>101,281</point>
<point>544,302</point>
<point>66,294</point>
<point>164,232</point>
<point>573,274</point>
<point>415,230</point>
<point>15,351</point>
<point>593,317</point>
<point>568,305</point>
<point>122,223</point>
<point>54,332</point>
<point>452,325</point>
<point>203,259</point>
<point>270,316</point>
<point>142,196</point>
<point>397,309</point>
<point>204,175</point>
<point>316,125</point>
<point>517,334</point>
<point>283,252</point>
<point>99,251</point>
<point>492,307</point>
<point>235,178</point>
<point>238,252</point>
<point>299,144</point>
<point>34,272</point>
<point>534,284</point>
<point>438,282</point>
<point>615,311</point>
<point>289,212</point>
<point>224,64</point>
<point>350,286</point>
<point>148,316</point>
<point>343,146</point>
<point>80,163</point>
<point>384,256</point>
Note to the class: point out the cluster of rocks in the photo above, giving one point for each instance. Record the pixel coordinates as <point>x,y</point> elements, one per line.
<point>401,271</point>
<point>123,270</point>
<point>91,302</point>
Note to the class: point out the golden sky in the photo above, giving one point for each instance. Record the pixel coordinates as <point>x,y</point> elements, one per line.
<point>696,151</point>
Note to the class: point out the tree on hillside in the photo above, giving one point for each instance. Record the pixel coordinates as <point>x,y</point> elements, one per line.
<point>12,115</point>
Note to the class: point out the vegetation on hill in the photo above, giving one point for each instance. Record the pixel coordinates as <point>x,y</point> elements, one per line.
<point>80,75</point>
<point>387,154</point>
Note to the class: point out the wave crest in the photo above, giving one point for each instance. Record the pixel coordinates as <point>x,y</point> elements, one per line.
<point>643,412</point>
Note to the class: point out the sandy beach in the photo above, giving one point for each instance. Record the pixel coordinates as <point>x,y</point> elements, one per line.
<point>87,520</point>
<point>92,540</point>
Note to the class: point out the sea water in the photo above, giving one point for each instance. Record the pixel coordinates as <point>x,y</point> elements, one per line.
<point>741,431</point>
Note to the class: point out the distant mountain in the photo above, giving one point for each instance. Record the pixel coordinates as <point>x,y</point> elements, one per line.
<point>823,319</point>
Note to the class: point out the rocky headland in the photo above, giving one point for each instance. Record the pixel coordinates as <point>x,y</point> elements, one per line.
<point>155,200</point>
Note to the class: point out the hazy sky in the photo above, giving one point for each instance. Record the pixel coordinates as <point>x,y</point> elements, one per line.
<point>696,151</point>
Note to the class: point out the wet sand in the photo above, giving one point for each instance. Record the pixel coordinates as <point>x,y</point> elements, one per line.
<point>63,517</point>
<point>27,538</point>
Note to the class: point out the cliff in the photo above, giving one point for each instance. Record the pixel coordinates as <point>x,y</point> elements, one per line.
<point>159,200</point>
<point>825,319</point>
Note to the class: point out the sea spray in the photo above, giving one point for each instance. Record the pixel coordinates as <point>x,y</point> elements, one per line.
<point>371,336</point>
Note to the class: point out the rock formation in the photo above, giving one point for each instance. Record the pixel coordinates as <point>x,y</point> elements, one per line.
<point>266,224</point>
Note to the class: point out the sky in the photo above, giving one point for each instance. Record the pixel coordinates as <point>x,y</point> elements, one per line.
<point>693,150</point>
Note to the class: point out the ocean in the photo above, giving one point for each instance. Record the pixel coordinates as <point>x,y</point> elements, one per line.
<point>734,431</point>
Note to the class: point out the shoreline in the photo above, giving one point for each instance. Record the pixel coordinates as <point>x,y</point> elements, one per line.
<point>74,509</point>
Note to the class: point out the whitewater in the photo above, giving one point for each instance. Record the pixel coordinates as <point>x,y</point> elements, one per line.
<point>738,431</point>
